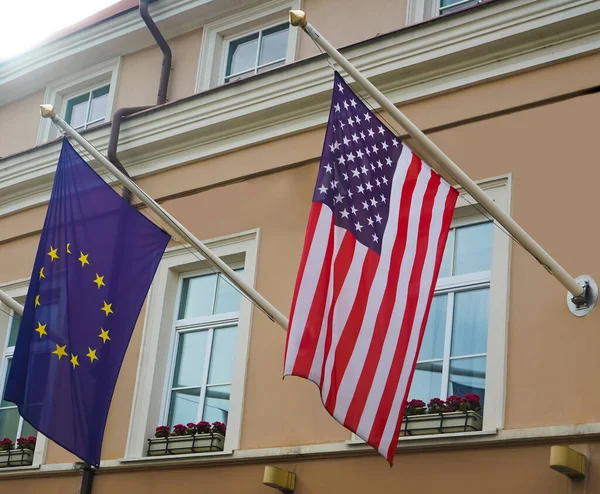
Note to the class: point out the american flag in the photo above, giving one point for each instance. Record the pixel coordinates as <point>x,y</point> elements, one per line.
<point>374,243</point>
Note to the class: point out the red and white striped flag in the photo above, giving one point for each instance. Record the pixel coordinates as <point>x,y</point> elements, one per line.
<point>374,243</point>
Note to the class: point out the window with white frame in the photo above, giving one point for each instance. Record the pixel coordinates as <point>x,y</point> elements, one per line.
<point>88,109</point>
<point>452,359</point>
<point>12,425</point>
<point>422,10</point>
<point>246,42</point>
<point>203,348</point>
<point>256,52</point>
<point>84,99</point>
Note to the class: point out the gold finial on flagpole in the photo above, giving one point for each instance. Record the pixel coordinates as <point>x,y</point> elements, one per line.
<point>298,18</point>
<point>47,111</point>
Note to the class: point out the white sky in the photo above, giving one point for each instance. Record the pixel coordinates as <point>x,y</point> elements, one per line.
<point>24,23</point>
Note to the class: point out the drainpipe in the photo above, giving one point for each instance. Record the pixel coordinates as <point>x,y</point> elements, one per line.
<point>161,97</point>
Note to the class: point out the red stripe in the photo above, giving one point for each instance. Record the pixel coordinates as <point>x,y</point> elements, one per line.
<point>310,337</point>
<point>313,219</point>
<point>414,290</point>
<point>352,327</point>
<point>341,265</point>
<point>363,387</point>
<point>445,228</point>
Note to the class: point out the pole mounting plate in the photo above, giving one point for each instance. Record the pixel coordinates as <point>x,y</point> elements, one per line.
<point>583,305</point>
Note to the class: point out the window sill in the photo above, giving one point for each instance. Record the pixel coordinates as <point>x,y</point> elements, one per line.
<point>19,469</point>
<point>406,441</point>
<point>163,458</point>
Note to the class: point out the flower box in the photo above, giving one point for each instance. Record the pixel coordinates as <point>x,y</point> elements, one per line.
<point>441,423</point>
<point>16,458</point>
<point>178,445</point>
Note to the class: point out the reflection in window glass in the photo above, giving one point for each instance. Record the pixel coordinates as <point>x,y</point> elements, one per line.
<point>469,335</point>
<point>433,339</point>
<point>88,109</point>
<point>427,381</point>
<point>473,250</point>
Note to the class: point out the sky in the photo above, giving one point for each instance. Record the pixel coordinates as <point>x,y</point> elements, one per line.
<point>25,23</point>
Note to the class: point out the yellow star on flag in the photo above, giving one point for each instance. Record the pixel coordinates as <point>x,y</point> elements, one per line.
<point>83,258</point>
<point>91,354</point>
<point>41,329</point>
<point>42,273</point>
<point>107,309</point>
<point>69,248</point>
<point>53,255</point>
<point>104,335</point>
<point>99,281</point>
<point>37,301</point>
<point>74,360</point>
<point>60,351</point>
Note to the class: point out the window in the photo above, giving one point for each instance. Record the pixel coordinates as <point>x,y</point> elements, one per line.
<point>12,424</point>
<point>453,354</point>
<point>195,344</point>
<point>87,109</point>
<point>84,99</point>
<point>203,350</point>
<point>256,52</point>
<point>452,5</point>
<point>246,42</point>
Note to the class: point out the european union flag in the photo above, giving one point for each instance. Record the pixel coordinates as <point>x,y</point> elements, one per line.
<point>94,265</point>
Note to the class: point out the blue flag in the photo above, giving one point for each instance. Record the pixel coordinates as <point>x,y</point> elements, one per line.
<point>94,265</point>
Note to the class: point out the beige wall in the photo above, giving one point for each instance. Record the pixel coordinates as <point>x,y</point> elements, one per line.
<point>140,72</point>
<point>19,124</point>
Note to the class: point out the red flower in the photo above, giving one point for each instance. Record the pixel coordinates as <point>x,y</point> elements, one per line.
<point>203,427</point>
<point>436,405</point>
<point>454,402</point>
<point>6,444</point>
<point>414,407</point>
<point>179,430</point>
<point>218,428</point>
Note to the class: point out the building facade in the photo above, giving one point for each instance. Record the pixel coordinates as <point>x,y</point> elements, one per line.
<point>507,88</point>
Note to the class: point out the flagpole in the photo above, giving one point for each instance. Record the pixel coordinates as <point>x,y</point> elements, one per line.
<point>11,302</point>
<point>47,111</point>
<point>583,291</point>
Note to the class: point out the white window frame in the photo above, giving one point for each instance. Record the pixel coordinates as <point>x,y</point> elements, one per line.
<point>17,289</point>
<point>423,10</point>
<point>62,90</point>
<point>217,34</point>
<point>210,323</point>
<point>148,407</point>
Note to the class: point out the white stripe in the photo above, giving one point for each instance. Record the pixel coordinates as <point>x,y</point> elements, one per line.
<point>393,332</point>
<point>317,363</point>
<point>355,364</point>
<point>308,286</point>
<point>342,308</point>
<point>425,287</point>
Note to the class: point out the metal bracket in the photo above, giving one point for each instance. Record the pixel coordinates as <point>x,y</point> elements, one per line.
<point>583,304</point>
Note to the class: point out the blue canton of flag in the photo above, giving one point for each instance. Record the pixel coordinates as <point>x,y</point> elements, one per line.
<point>94,265</point>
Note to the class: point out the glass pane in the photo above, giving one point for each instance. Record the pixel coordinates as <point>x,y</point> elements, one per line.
<point>77,110</point>
<point>15,322</point>
<point>191,353</point>
<point>216,405</point>
<point>99,104</point>
<point>447,258</point>
<point>470,323</point>
<point>273,44</point>
<point>28,430</point>
<point>473,248</point>
<point>433,339</point>
<point>242,54</point>
<point>266,68</point>
<point>184,406</point>
<point>447,3</point>
<point>197,296</point>
<point>9,423</point>
<point>3,402</point>
<point>228,298</point>
<point>467,376</point>
<point>222,354</point>
<point>427,381</point>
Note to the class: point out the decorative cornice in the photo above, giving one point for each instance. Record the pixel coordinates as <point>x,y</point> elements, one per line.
<point>450,53</point>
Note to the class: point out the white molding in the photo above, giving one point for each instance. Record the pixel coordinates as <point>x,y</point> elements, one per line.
<point>59,91</point>
<point>295,98</point>
<point>158,324</point>
<point>215,33</point>
<point>574,434</point>
<point>421,10</point>
<point>18,289</point>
